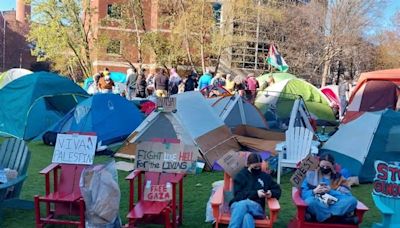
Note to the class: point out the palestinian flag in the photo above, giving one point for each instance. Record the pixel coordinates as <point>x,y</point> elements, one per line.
<point>275,59</point>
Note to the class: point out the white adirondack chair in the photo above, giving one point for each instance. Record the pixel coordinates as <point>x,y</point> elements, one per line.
<point>297,146</point>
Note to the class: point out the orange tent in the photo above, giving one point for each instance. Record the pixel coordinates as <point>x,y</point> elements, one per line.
<point>392,75</point>
<point>381,88</point>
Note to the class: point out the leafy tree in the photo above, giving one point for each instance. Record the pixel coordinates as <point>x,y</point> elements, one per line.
<point>61,31</point>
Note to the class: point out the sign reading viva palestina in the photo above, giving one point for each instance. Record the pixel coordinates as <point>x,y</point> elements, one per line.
<point>166,157</point>
<point>387,179</point>
<point>74,149</point>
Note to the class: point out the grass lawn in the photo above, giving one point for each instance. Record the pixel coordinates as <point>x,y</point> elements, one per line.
<point>197,190</point>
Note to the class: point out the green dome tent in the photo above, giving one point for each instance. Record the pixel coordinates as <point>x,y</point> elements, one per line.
<point>30,105</point>
<point>276,101</point>
<point>280,76</point>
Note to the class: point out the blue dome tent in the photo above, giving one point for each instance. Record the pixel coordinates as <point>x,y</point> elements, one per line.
<point>110,116</point>
<point>31,104</point>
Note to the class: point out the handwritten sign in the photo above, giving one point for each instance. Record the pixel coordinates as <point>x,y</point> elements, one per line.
<point>166,157</point>
<point>387,179</point>
<point>232,162</point>
<point>308,163</point>
<point>74,149</point>
<point>161,192</point>
<point>166,104</point>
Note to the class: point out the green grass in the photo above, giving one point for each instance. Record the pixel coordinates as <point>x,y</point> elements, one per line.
<point>197,189</point>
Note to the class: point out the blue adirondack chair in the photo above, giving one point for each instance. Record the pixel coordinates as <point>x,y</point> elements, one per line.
<point>14,154</point>
<point>390,209</point>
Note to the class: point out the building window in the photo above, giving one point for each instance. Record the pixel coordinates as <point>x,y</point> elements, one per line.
<point>114,47</point>
<point>217,12</point>
<point>114,11</point>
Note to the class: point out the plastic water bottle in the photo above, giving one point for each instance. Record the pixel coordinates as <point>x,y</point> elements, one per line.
<point>323,130</point>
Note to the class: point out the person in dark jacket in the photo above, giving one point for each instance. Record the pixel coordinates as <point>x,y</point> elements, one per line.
<point>251,187</point>
<point>141,85</point>
<point>191,82</point>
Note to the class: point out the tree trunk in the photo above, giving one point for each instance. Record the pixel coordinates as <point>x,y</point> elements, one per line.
<point>325,72</point>
<point>203,64</point>
<point>189,55</point>
<point>136,23</point>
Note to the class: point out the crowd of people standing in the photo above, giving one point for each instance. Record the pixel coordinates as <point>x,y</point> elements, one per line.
<point>158,82</point>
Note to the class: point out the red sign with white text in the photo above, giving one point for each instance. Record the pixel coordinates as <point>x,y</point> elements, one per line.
<point>387,179</point>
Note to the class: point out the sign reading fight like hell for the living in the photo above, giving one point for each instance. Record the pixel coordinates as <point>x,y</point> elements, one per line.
<point>387,179</point>
<point>166,157</point>
<point>74,149</point>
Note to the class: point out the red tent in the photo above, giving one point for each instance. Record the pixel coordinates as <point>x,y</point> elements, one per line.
<point>331,92</point>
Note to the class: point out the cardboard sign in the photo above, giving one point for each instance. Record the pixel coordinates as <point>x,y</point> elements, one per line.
<point>232,162</point>
<point>308,163</point>
<point>387,179</point>
<point>166,157</point>
<point>74,149</point>
<point>166,104</point>
<point>161,192</point>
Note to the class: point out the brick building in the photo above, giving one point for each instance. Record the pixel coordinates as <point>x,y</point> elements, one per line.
<point>242,57</point>
<point>119,47</point>
<point>14,49</point>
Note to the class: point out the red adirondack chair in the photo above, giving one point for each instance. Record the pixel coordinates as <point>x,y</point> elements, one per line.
<point>64,198</point>
<point>300,222</point>
<point>224,217</point>
<point>155,212</point>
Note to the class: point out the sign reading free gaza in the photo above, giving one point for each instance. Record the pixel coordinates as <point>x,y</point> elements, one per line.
<point>166,157</point>
<point>387,179</point>
<point>74,149</point>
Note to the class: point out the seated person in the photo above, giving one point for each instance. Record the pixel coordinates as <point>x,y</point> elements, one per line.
<point>251,187</point>
<point>326,181</point>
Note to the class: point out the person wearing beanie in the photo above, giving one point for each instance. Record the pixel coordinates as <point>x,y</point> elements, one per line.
<point>250,188</point>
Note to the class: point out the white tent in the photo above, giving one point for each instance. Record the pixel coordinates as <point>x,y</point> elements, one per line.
<point>235,111</point>
<point>194,123</point>
<point>11,75</point>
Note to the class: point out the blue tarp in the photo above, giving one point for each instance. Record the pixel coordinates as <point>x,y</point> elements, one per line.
<point>115,76</point>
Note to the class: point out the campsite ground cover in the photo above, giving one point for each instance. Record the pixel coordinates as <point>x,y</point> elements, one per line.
<point>197,189</point>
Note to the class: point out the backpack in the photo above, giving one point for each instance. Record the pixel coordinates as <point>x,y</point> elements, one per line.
<point>49,138</point>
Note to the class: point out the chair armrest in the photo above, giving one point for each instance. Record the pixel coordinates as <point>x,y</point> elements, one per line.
<point>133,174</point>
<point>279,147</point>
<point>49,168</point>
<point>298,201</point>
<point>381,207</point>
<point>216,201</point>
<point>274,207</point>
<point>13,182</point>
<point>273,204</point>
<point>361,206</point>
